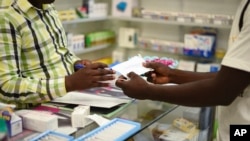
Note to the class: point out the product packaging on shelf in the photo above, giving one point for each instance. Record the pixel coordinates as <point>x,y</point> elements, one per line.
<point>123,8</point>
<point>128,37</point>
<point>199,45</point>
<point>13,121</point>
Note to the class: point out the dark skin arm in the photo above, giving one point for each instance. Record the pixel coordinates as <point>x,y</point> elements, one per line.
<point>163,74</point>
<point>89,77</point>
<point>84,62</point>
<point>220,89</point>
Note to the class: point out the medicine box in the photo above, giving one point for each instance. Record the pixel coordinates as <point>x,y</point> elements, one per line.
<point>185,17</point>
<point>202,18</point>
<point>219,19</point>
<point>184,125</point>
<point>174,134</point>
<point>123,8</point>
<point>13,122</point>
<point>128,37</point>
<point>199,45</point>
<point>79,116</point>
<point>39,121</point>
<point>15,125</point>
<point>150,14</point>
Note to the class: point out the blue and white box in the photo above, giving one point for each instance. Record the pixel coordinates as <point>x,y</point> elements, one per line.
<point>199,45</point>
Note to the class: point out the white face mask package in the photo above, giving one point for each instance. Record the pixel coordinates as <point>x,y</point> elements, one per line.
<point>78,116</point>
<point>32,120</point>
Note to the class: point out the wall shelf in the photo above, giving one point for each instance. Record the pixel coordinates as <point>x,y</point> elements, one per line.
<point>143,20</point>
<point>92,49</point>
<point>174,55</point>
<point>84,20</point>
<point>158,21</point>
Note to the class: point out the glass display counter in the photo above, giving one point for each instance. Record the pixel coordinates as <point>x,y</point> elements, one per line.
<point>174,126</point>
<point>155,115</point>
<point>145,112</point>
<point>152,115</point>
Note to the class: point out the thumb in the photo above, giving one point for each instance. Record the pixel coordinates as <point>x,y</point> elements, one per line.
<point>120,83</point>
<point>86,62</point>
<point>132,75</point>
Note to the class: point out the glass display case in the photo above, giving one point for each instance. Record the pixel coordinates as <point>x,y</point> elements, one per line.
<point>156,117</point>
<point>157,120</point>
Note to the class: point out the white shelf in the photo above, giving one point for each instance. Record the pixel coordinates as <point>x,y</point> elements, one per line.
<point>92,49</point>
<point>143,20</point>
<point>84,20</point>
<point>158,21</point>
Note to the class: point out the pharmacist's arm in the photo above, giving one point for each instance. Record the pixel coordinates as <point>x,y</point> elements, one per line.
<point>219,90</point>
<point>162,74</point>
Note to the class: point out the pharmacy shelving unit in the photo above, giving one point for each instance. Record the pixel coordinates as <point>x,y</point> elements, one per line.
<point>84,20</point>
<point>84,26</point>
<point>138,21</point>
<point>174,30</point>
<point>165,22</point>
<point>161,29</point>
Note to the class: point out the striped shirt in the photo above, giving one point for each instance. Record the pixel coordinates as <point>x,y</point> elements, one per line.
<point>34,59</point>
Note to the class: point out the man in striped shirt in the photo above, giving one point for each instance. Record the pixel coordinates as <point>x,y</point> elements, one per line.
<point>35,64</point>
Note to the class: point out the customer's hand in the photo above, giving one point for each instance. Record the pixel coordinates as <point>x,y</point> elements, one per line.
<point>160,73</point>
<point>83,62</point>
<point>90,76</point>
<point>135,86</point>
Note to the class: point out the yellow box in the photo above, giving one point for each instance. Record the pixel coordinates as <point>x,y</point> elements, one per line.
<point>106,60</point>
<point>184,125</point>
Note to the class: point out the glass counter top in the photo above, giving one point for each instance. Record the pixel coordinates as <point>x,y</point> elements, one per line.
<point>145,112</point>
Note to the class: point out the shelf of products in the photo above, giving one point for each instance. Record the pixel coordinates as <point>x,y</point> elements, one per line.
<point>84,20</point>
<point>158,21</point>
<point>92,49</point>
<point>143,20</point>
<point>182,16</point>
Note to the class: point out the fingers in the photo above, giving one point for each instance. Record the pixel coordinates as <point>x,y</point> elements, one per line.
<point>97,72</point>
<point>103,78</point>
<point>100,84</point>
<point>153,65</point>
<point>122,77</point>
<point>101,71</point>
<point>132,75</point>
<point>98,65</point>
<point>86,62</point>
<point>120,83</point>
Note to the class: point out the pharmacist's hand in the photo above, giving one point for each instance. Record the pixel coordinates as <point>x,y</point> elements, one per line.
<point>134,87</point>
<point>160,73</point>
<point>92,75</point>
<point>83,62</point>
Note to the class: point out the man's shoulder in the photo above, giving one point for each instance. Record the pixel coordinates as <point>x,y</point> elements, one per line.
<point>3,12</point>
<point>5,6</point>
<point>9,14</point>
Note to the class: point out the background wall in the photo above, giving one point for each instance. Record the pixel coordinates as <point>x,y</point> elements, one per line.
<point>171,32</point>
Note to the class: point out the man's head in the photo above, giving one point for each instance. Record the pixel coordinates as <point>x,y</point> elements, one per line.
<point>47,1</point>
<point>39,3</point>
